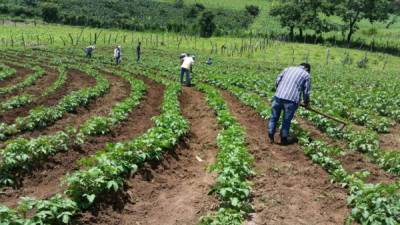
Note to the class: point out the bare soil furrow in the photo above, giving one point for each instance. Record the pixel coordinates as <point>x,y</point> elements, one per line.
<point>44,180</point>
<point>175,190</point>
<point>288,188</point>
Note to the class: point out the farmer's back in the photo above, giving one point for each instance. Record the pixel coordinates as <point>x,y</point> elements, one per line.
<point>291,83</point>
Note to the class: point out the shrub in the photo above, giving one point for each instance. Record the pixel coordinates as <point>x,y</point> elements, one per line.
<point>253,10</point>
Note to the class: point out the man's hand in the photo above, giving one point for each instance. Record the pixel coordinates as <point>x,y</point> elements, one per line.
<point>306,105</point>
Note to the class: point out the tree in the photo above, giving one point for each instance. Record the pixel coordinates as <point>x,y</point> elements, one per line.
<point>303,14</point>
<point>395,10</point>
<point>353,11</point>
<point>289,13</point>
<point>179,4</point>
<point>206,24</point>
<point>50,12</point>
<point>253,10</point>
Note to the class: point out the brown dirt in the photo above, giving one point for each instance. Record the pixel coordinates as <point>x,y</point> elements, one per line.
<point>119,89</point>
<point>44,181</point>
<point>20,75</point>
<point>75,80</point>
<point>357,162</point>
<point>391,140</point>
<point>288,188</point>
<point>315,132</point>
<point>174,191</point>
<point>352,161</point>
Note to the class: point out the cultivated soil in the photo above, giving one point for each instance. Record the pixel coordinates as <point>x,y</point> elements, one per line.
<point>175,190</point>
<point>75,80</point>
<point>288,188</point>
<point>352,161</point>
<point>391,140</point>
<point>20,75</point>
<point>44,180</point>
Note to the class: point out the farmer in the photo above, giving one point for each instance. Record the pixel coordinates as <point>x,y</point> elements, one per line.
<point>138,52</point>
<point>291,85</point>
<point>89,51</point>
<point>209,61</point>
<point>117,55</point>
<point>187,62</point>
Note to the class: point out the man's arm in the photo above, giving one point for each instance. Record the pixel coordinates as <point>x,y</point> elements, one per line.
<point>306,91</point>
<point>279,78</point>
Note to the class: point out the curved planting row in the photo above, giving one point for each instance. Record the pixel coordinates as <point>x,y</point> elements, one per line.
<point>105,171</point>
<point>28,81</point>
<point>20,154</point>
<point>24,99</point>
<point>41,117</point>
<point>6,72</point>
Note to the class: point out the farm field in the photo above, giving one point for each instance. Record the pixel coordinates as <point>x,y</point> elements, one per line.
<point>83,141</point>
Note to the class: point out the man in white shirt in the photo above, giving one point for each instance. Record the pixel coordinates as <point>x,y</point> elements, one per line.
<point>117,55</point>
<point>186,68</point>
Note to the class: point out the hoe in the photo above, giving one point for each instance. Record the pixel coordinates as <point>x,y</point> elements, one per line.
<point>343,124</point>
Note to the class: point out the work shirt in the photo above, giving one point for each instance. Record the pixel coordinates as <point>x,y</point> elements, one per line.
<point>292,83</point>
<point>117,53</point>
<point>187,62</point>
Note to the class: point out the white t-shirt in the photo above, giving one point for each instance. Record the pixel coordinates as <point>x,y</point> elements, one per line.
<point>187,62</point>
<point>117,52</point>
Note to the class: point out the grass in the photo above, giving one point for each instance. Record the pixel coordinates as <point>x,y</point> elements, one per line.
<point>275,53</point>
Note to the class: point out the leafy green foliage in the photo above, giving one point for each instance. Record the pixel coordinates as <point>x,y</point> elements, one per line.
<point>233,165</point>
<point>20,154</point>
<point>16,102</point>
<point>43,116</point>
<point>107,170</point>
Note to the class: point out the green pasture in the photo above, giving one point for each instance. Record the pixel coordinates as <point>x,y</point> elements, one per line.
<point>253,52</point>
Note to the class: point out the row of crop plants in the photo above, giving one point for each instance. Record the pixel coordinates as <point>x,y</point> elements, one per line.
<point>41,117</point>
<point>24,99</point>
<point>363,140</point>
<point>6,72</point>
<point>105,171</point>
<point>370,203</point>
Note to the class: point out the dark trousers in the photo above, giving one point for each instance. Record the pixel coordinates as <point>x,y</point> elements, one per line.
<point>289,109</point>
<point>138,55</point>
<point>118,60</point>
<point>187,72</point>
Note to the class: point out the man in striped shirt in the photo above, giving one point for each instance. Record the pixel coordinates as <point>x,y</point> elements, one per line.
<point>291,85</point>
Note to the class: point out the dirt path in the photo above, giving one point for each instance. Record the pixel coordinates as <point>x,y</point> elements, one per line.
<point>44,181</point>
<point>288,188</point>
<point>75,80</point>
<point>174,191</point>
<point>391,140</point>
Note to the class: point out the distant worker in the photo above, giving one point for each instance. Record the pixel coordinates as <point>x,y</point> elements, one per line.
<point>138,52</point>
<point>187,62</point>
<point>291,85</point>
<point>117,55</point>
<point>209,61</point>
<point>89,51</point>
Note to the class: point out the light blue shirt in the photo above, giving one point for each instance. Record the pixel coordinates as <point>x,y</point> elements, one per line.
<point>292,83</point>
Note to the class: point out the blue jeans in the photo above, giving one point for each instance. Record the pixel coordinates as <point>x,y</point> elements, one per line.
<point>289,109</point>
<point>117,60</point>
<point>187,72</point>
